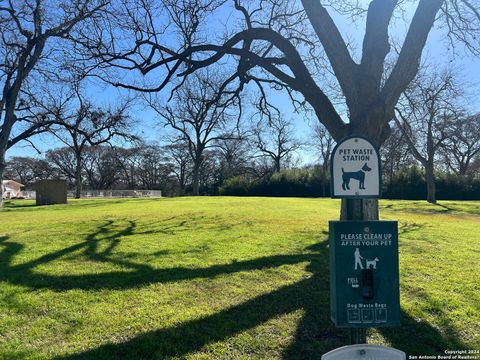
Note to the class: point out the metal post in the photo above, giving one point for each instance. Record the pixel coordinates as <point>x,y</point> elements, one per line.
<point>358,336</point>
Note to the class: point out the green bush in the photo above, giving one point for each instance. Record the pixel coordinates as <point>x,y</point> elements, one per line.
<point>455,187</point>
<point>408,184</point>
<point>305,182</point>
<point>235,186</point>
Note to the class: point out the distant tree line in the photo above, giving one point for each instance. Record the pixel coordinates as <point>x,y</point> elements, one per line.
<point>101,167</point>
<point>435,154</point>
<point>240,166</point>
<point>170,167</point>
<point>213,148</point>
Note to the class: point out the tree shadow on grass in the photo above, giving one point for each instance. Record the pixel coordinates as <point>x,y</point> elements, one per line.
<point>446,209</point>
<point>466,208</point>
<point>418,337</point>
<point>409,227</point>
<point>135,274</point>
<point>314,335</point>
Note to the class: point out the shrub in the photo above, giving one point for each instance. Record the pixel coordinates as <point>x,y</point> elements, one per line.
<point>408,184</point>
<point>235,186</point>
<point>305,182</point>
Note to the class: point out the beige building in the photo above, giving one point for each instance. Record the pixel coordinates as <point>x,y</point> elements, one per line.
<point>11,189</point>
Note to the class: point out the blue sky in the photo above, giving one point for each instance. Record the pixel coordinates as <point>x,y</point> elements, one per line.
<point>436,51</point>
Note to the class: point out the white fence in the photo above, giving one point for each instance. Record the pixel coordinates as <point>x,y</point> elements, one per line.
<point>105,194</point>
<point>28,195</point>
<point>117,193</point>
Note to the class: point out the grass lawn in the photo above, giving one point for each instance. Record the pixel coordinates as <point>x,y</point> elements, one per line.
<point>217,277</point>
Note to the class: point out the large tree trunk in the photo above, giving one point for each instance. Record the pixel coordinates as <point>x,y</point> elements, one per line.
<point>5,131</point>
<point>78,176</point>
<point>324,180</point>
<point>132,177</point>
<point>463,168</point>
<point>430,179</point>
<point>277,164</point>
<point>2,170</point>
<point>324,185</point>
<point>196,179</point>
<point>182,182</point>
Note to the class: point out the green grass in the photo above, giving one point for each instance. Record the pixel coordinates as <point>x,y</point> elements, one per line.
<point>224,278</point>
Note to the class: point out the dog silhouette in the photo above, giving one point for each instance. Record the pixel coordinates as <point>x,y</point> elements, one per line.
<point>372,263</point>
<point>357,175</point>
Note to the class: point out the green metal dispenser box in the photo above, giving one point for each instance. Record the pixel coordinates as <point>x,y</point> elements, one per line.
<point>364,279</point>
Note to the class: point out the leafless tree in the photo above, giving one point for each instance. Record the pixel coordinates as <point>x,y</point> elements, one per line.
<point>101,166</point>
<point>460,149</point>
<point>235,157</point>
<point>290,45</point>
<point>63,161</point>
<point>395,154</point>
<point>475,167</point>
<point>323,142</point>
<point>129,160</point>
<point>31,120</point>
<point>27,170</point>
<point>209,172</point>
<point>199,117</point>
<point>179,156</point>
<point>425,117</point>
<point>275,140</point>
<point>83,124</point>
<point>154,169</point>
<point>30,33</point>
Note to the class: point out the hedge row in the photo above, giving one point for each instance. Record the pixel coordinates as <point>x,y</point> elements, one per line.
<point>293,182</point>
<point>407,184</point>
<point>410,184</point>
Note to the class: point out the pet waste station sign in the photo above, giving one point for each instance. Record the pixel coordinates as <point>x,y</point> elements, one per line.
<point>364,278</point>
<point>355,169</point>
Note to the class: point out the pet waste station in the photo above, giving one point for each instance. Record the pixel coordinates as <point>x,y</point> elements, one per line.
<point>364,274</point>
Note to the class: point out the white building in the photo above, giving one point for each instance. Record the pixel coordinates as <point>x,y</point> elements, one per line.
<point>11,189</point>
